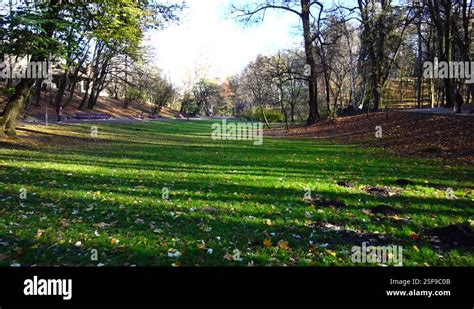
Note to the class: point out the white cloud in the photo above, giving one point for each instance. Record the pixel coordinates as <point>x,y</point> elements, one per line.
<point>206,36</point>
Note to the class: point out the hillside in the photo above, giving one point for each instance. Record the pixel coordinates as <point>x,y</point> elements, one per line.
<point>110,106</point>
<point>409,134</point>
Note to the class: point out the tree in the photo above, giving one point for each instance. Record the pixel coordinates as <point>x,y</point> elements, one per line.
<point>45,30</point>
<point>450,20</point>
<point>256,82</point>
<point>32,29</point>
<point>207,96</point>
<point>303,9</point>
<point>161,93</point>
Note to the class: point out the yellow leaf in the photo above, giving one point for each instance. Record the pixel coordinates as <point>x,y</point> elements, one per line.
<point>267,243</point>
<point>330,252</point>
<point>114,241</point>
<point>268,222</point>
<point>283,244</point>
<point>416,248</point>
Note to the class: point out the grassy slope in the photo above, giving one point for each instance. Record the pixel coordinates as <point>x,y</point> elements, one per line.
<point>106,194</point>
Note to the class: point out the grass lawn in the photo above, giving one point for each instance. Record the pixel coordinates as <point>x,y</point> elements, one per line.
<point>107,194</point>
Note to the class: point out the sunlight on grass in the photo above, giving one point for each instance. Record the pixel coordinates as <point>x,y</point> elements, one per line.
<point>106,194</point>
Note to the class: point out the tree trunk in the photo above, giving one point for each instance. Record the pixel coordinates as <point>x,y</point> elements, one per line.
<point>310,58</point>
<point>351,68</point>
<point>92,96</point>
<point>419,79</point>
<point>61,90</point>
<point>75,79</point>
<point>38,89</point>
<point>265,117</point>
<point>97,86</point>
<point>433,93</point>
<point>86,95</point>
<point>15,107</point>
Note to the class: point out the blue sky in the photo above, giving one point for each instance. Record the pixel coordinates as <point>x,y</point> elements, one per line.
<point>207,37</point>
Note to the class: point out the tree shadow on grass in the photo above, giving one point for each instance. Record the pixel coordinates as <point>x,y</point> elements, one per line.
<point>153,249</point>
<point>232,226</point>
<point>225,193</point>
<point>244,226</point>
<point>205,163</point>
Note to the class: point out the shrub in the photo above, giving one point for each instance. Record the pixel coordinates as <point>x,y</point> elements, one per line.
<point>273,116</point>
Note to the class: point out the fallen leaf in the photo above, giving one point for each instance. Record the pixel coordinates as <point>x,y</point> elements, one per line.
<point>64,223</point>
<point>283,245</point>
<point>267,243</point>
<point>100,225</point>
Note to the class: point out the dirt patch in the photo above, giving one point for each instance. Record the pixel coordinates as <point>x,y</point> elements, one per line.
<point>336,204</point>
<point>453,236</point>
<point>332,231</point>
<point>385,210</point>
<point>404,182</point>
<point>345,184</point>
<point>380,191</point>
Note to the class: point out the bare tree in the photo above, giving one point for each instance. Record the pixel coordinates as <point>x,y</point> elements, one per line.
<point>304,9</point>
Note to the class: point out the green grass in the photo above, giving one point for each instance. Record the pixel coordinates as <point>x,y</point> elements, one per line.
<point>106,194</point>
